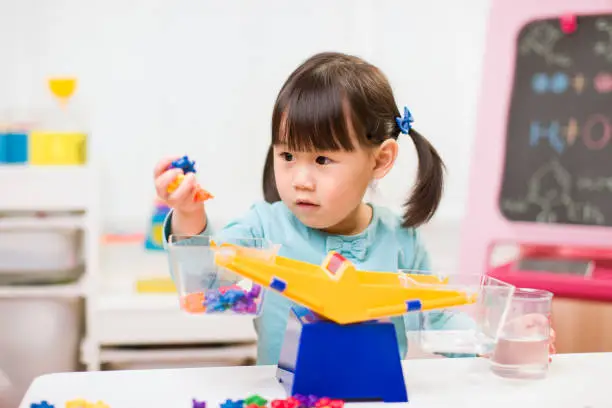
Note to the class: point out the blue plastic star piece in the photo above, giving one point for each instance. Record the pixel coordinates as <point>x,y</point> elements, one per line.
<point>42,404</point>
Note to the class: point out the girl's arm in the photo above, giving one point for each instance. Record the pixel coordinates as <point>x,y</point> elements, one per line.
<point>247,227</point>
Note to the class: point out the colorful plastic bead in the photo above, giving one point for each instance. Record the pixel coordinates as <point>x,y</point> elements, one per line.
<point>188,166</point>
<point>256,400</point>
<point>232,298</point>
<point>41,404</point>
<point>198,404</point>
<point>193,302</point>
<point>175,183</point>
<point>232,404</point>
<point>98,404</point>
<point>77,403</point>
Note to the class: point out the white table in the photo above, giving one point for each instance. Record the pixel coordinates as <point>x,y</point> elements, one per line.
<point>574,381</point>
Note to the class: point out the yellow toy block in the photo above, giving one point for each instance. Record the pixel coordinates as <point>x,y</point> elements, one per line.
<point>57,148</point>
<point>338,291</point>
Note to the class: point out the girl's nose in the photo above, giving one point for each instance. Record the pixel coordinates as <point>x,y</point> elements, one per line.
<point>303,180</point>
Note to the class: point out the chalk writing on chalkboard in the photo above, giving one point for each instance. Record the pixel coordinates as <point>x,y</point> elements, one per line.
<point>558,164</point>
<point>541,40</point>
<point>604,48</point>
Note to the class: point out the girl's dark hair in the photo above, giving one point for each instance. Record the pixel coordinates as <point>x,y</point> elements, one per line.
<point>331,92</point>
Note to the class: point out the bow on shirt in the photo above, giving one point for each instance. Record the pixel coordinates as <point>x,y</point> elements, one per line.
<point>356,248</point>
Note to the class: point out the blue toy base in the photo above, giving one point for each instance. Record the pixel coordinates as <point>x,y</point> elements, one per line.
<point>356,362</point>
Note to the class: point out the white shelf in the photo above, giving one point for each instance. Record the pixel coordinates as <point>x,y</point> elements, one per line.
<point>185,357</point>
<point>50,222</point>
<point>64,190</point>
<point>68,290</point>
<point>50,188</point>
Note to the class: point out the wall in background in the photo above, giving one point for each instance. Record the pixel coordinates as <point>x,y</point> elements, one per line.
<point>200,77</point>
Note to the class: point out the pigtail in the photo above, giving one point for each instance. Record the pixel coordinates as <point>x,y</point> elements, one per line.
<point>423,202</point>
<point>270,191</point>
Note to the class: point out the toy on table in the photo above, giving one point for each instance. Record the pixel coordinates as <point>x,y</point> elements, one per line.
<point>198,404</point>
<point>341,293</point>
<point>295,401</point>
<point>82,403</point>
<point>188,166</point>
<point>42,404</point>
<point>343,312</point>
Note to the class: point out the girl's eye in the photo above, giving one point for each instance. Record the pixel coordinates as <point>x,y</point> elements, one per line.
<point>286,156</point>
<point>323,160</point>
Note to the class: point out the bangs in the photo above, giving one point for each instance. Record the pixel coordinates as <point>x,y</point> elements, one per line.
<point>313,115</point>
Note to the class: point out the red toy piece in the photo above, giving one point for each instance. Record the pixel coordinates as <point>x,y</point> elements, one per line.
<point>568,23</point>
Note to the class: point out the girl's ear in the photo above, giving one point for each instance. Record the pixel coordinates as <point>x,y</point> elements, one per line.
<point>384,158</point>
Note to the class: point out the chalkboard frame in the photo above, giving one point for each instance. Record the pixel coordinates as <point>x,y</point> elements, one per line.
<point>483,225</point>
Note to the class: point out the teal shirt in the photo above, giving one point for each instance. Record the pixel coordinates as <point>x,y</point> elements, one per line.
<point>384,246</point>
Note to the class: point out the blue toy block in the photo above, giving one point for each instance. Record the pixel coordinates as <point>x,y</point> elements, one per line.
<point>353,362</point>
<point>17,147</point>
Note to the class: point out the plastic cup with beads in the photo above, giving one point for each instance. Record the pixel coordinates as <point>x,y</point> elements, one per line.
<point>205,287</point>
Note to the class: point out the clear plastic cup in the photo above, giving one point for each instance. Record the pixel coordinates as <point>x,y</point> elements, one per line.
<point>522,351</point>
<point>205,287</point>
<point>470,329</point>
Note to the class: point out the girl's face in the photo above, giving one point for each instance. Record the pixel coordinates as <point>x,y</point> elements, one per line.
<point>324,189</point>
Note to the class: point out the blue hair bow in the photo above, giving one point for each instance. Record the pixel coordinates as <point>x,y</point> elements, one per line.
<point>405,123</point>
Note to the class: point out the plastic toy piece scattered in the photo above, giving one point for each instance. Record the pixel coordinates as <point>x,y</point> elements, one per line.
<point>41,404</point>
<point>303,401</point>
<point>338,291</point>
<point>232,404</point>
<point>187,166</point>
<point>81,403</point>
<point>77,403</point>
<point>256,400</point>
<point>198,404</point>
<point>98,404</point>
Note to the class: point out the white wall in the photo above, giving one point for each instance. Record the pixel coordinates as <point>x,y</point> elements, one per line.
<point>199,77</point>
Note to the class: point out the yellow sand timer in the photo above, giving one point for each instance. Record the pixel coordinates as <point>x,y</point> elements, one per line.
<point>60,139</point>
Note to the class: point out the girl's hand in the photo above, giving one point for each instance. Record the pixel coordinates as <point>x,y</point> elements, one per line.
<point>182,199</point>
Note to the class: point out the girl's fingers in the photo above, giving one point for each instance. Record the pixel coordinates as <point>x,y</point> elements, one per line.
<point>162,182</point>
<point>185,189</point>
<point>163,165</point>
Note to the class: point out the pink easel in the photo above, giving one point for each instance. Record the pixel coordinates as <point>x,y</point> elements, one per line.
<point>485,224</point>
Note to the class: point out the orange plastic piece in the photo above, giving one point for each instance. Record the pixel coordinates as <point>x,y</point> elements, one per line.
<point>193,302</point>
<point>200,193</point>
<point>175,183</point>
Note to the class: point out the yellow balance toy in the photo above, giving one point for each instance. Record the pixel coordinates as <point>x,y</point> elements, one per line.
<point>338,291</point>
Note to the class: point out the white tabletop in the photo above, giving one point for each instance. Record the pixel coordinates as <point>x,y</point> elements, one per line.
<point>574,381</point>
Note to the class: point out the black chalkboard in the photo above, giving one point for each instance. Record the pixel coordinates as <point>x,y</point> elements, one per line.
<point>558,162</point>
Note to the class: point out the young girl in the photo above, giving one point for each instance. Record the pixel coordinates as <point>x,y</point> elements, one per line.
<point>335,128</point>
